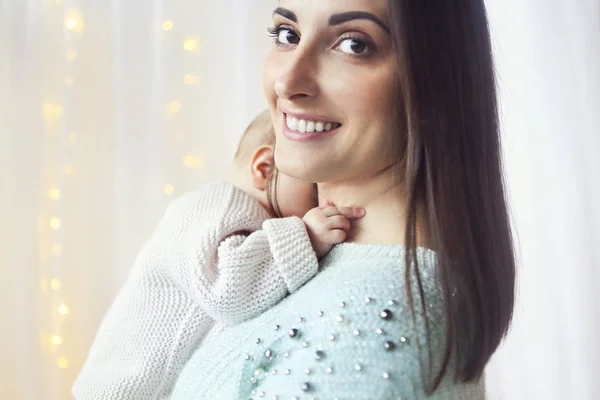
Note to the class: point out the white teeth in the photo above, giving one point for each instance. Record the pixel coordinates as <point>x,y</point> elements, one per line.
<point>304,126</point>
<point>292,123</point>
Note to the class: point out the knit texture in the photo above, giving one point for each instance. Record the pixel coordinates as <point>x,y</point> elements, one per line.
<point>347,334</point>
<point>208,262</point>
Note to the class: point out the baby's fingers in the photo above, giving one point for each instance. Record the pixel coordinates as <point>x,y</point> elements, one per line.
<point>348,212</point>
<point>338,222</point>
<point>336,236</point>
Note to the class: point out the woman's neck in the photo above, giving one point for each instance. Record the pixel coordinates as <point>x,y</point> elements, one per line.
<point>382,197</point>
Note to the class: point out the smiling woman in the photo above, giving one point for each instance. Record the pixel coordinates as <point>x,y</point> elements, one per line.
<point>390,106</point>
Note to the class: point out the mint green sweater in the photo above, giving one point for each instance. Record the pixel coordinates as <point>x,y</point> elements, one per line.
<point>347,334</point>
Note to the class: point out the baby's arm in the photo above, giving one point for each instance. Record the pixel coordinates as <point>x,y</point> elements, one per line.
<point>253,272</point>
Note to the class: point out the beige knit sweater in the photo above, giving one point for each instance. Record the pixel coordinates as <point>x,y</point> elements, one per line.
<point>209,261</point>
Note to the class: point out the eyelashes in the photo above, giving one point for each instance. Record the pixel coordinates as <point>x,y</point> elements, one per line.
<point>352,44</point>
<point>290,39</point>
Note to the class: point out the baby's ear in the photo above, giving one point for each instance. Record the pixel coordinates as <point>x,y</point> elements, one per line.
<point>262,163</point>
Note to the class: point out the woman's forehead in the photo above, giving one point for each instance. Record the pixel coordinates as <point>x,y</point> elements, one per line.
<point>325,8</point>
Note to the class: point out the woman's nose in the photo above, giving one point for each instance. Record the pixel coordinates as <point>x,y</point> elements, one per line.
<point>297,76</point>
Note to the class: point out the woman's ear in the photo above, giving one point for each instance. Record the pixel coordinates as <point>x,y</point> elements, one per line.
<point>262,164</point>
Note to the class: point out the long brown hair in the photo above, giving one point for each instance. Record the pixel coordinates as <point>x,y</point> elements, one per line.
<point>448,107</point>
<point>272,182</point>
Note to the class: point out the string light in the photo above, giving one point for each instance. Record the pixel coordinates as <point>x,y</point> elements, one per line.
<point>193,161</point>
<point>189,161</point>
<point>74,20</point>
<point>168,189</point>
<point>167,25</point>
<point>191,80</point>
<point>63,309</point>
<point>54,193</point>
<point>55,284</point>
<point>51,111</point>
<point>62,362</point>
<point>55,223</point>
<point>173,107</point>
<point>190,44</point>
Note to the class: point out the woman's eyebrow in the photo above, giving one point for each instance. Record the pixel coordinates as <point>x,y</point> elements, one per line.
<point>284,12</point>
<point>337,19</point>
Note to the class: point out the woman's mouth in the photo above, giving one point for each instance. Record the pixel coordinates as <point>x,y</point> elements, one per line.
<point>308,126</point>
<point>305,128</point>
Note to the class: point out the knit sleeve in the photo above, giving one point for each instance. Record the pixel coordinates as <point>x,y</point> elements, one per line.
<point>152,326</point>
<point>253,272</point>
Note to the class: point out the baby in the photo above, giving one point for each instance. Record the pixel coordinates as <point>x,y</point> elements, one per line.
<point>219,257</point>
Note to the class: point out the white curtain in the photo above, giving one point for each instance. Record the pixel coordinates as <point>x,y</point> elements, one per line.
<point>109,109</point>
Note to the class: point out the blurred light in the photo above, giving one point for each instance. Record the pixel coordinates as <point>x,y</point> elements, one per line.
<point>74,20</point>
<point>194,161</point>
<point>44,285</point>
<point>52,110</point>
<point>63,309</point>
<point>55,284</point>
<point>167,25</point>
<point>56,250</point>
<point>73,137</point>
<point>54,193</point>
<point>69,169</point>
<point>189,161</point>
<point>55,223</point>
<point>169,189</point>
<point>71,55</point>
<point>62,362</point>
<point>191,80</point>
<point>190,44</point>
<point>57,339</point>
<point>179,136</point>
<point>69,80</point>
<point>173,107</point>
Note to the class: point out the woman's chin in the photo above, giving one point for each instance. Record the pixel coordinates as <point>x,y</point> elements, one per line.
<point>302,168</point>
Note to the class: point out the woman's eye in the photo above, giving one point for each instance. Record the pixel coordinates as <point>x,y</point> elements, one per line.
<point>287,36</point>
<point>353,47</point>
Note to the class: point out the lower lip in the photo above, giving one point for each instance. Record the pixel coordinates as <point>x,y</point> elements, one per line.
<point>305,137</point>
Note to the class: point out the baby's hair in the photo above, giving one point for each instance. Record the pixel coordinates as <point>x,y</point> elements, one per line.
<point>260,132</point>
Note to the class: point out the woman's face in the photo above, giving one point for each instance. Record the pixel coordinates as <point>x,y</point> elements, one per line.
<point>330,81</point>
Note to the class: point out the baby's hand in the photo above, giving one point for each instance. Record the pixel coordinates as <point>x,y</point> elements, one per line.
<point>328,225</point>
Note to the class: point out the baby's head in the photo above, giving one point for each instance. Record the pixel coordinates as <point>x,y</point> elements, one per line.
<point>255,173</point>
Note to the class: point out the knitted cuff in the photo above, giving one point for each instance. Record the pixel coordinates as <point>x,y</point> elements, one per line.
<point>292,250</point>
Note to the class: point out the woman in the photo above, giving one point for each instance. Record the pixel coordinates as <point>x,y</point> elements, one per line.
<point>390,106</point>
